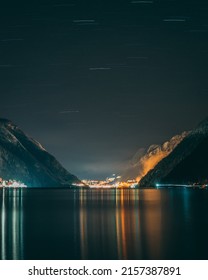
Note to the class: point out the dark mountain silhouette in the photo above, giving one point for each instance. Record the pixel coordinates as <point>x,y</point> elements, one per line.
<point>187,163</point>
<point>24,159</point>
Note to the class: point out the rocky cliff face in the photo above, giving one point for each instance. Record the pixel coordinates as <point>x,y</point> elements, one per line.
<point>187,163</point>
<point>146,159</point>
<point>24,159</point>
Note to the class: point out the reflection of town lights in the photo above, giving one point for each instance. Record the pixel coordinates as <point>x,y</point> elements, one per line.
<point>111,183</point>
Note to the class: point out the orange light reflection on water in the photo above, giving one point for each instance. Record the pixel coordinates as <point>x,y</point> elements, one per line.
<point>129,222</point>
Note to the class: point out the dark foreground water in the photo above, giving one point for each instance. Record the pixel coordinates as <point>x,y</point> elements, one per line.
<point>103,224</point>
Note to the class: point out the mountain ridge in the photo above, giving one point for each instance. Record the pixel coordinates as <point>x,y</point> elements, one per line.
<point>146,159</point>
<point>23,158</point>
<point>186,163</point>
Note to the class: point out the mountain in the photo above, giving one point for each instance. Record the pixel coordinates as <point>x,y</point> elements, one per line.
<point>187,163</point>
<point>146,159</point>
<point>24,159</point>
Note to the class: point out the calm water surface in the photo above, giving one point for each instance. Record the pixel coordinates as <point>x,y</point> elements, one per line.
<point>103,224</point>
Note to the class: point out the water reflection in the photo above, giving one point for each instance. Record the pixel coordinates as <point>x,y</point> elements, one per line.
<point>151,223</point>
<point>103,224</point>
<point>127,223</point>
<point>83,225</point>
<point>11,224</point>
<point>124,224</point>
<point>97,224</point>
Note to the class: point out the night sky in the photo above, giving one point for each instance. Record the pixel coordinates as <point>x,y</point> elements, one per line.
<point>94,81</point>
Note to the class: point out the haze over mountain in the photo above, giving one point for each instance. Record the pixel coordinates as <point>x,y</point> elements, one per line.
<point>146,159</point>
<point>187,163</point>
<point>24,159</point>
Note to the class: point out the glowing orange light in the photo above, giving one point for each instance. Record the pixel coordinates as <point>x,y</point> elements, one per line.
<point>150,163</point>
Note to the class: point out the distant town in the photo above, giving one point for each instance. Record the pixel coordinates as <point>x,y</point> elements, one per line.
<point>11,184</point>
<point>115,181</point>
<point>112,182</point>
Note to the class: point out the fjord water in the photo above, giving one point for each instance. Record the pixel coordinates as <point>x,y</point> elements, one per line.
<point>104,224</point>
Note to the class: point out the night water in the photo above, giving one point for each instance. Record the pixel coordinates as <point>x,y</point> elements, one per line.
<point>103,224</point>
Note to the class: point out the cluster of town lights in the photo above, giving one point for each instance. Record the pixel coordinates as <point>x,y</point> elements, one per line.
<point>11,184</point>
<point>111,182</point>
